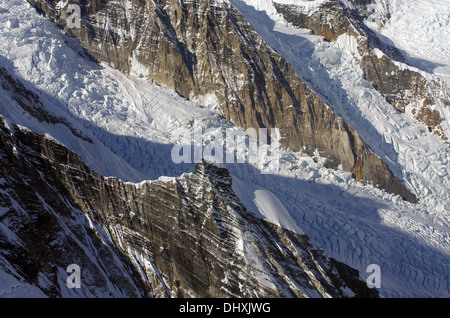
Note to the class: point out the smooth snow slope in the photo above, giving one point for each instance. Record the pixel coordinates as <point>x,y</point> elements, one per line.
<point>131,122</point>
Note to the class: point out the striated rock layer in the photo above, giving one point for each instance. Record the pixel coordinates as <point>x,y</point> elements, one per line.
<point>206,48</point>
<point>176,237</point>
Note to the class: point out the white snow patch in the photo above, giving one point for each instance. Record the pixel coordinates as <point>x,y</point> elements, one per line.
<point>264,204</point>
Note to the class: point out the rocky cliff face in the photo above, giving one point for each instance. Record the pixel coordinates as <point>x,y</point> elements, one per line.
<point>204,48</point>
<point>179,237</point>
<point>406,89</point>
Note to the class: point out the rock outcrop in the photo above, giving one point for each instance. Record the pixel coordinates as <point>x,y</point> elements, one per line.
<point>178,237</point>
<point>204,48</point>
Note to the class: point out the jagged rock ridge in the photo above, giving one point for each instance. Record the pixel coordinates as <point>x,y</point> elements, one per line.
<point>179,237</point>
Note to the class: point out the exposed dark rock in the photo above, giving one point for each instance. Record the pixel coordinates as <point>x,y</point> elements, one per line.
<point>182,237</point>
<point>351,277</point>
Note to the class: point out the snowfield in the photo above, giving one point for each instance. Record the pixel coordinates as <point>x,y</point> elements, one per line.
<point>421,29</point>
<point>132,124</point>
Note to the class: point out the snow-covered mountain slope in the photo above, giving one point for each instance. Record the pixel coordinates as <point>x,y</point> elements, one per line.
<point>419,28</point>
<point>130,122</point>
<point>228,59</point>
<point>334,71</point>
<point>421,94</point>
